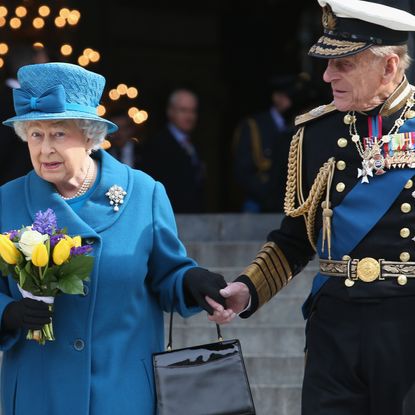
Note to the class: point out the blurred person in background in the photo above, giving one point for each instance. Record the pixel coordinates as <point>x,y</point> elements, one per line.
<point>261,145</point>
<point>171,156</point>
<point>125,141</point>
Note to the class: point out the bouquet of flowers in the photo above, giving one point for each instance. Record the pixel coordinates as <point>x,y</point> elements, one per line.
<point>45,262</point>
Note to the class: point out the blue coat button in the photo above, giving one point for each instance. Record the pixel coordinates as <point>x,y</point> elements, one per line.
<point>89,241</point>
<point>86,290</point>
<point>79,345</point>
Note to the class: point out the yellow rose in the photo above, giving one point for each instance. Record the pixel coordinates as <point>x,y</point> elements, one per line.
<point>29,240</point>
<point>40,255</point>
<point>61,252</point>
<point>8,251</point>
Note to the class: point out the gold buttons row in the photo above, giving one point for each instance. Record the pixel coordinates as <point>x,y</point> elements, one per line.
<point>405,232</point>
<point>341,165</point>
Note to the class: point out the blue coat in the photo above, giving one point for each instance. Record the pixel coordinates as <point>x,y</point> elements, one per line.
<point>100,362</point>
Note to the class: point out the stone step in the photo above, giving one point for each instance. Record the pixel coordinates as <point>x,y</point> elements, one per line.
<point>274,371</point>
<point>226,226</point>
<point>223,253</point>
<point>277,400</point>
<point>262,340</point>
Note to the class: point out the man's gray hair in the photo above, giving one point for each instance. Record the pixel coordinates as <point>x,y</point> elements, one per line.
<point>401,50</point>
<point>96,131</point>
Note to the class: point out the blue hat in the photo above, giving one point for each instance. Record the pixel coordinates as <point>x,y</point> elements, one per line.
<point>56,91</point>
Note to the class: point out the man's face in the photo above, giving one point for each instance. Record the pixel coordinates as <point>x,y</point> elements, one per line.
<point>182,111</point>
<point>356,81</point>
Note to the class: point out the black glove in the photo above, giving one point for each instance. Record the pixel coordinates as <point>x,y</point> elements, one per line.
<point>199,282</point>
<point>26,313</point>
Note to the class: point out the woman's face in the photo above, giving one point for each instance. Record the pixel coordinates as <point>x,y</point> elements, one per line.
<point>58,150</point>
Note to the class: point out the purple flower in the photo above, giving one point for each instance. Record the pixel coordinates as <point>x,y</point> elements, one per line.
<point>45,222</point>
<point>54,239</point>
<point>12,234</point>
<point>81,250</point>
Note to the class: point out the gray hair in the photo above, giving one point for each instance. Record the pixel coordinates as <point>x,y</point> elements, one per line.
<point>96,131</point>
<point>401,50</point>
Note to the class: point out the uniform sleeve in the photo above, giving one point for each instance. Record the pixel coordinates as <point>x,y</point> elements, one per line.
<point>7,339</point>
<point>168,261</point>
<point>285,254</point>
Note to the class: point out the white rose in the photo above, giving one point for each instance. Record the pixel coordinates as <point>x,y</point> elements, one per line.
<point>29,240</point>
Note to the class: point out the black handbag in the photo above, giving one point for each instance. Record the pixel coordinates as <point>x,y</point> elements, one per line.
<point>208,379</point>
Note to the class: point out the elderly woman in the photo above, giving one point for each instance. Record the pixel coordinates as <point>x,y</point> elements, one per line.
<point>100,362</point>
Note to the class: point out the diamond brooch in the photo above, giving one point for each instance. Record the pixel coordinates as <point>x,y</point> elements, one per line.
<point>116,196</point>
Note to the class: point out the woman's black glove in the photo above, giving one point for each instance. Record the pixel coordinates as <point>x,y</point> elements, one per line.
<point>198,283</point>
<point>26,313</point>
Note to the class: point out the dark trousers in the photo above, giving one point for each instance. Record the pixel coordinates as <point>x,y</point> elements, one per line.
<point>360,358</point>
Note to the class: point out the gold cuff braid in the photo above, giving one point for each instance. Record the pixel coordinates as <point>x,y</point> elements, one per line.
<point>269,272</point>
<point>294,189</point>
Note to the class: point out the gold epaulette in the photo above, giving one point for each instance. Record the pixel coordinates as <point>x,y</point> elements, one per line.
<point>314,113</point>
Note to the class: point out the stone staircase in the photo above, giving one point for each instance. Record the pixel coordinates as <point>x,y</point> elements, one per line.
<point>273,338</point>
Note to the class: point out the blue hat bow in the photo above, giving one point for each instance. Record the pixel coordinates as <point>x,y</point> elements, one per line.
<point>52,100</point>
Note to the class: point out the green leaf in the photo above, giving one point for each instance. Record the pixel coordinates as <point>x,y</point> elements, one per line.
<point>71,285</point>
<point>5,268</point>
<point>80,266</point>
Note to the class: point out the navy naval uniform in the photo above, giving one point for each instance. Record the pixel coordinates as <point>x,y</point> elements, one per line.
<point>360,334</point>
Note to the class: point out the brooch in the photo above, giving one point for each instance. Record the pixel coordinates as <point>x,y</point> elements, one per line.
<point>116,196</point>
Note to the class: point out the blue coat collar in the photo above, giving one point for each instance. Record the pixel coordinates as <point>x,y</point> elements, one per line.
<point>97,214</point>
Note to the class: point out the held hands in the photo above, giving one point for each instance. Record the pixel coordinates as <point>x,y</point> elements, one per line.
<point>26,313</point>
<point>237,299</point>
<point>210,291</point>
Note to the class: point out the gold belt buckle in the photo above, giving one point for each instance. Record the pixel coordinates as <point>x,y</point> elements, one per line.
<point>368,269</point>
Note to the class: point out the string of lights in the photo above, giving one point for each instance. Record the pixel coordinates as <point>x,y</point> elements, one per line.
<point>46,22</point>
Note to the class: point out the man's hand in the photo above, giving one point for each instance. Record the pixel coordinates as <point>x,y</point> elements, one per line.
<point>237,299</point>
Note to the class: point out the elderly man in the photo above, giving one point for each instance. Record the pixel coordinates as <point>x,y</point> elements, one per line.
<point>350,199</point>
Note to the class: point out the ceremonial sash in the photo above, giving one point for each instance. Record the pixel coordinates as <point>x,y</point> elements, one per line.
<point>366,201</point>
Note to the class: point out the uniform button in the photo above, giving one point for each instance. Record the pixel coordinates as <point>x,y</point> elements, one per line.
<point>89,241</point>
<point>404,256</point>
<point>346,257</point>
<point>406,207</point>
<point>409,184</point>
<point>404,232</point>
<point>78,345</point>
<point>340,187</point>
<point>341,165</point>
<point>402,280</point>
<point>342,142</point>
<point>86,290</point>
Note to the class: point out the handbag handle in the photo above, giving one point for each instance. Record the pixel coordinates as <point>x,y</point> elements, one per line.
<point>169,347</point>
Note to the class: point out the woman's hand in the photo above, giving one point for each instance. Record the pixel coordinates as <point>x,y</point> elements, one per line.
<point>200,283</point>
<point>26,313</point>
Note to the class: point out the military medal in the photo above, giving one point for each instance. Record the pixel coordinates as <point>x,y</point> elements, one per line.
<point>393,150</point>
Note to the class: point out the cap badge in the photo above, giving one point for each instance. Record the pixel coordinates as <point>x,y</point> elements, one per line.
<point>328,19</point>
